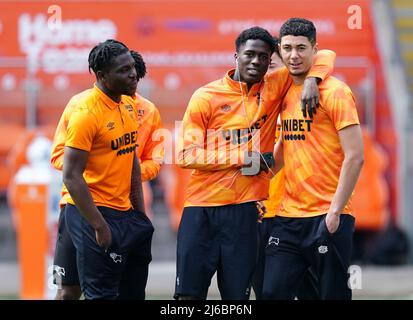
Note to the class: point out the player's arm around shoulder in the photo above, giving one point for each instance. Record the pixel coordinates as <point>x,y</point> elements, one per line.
<point>323,67</point>
<point>323,64</point>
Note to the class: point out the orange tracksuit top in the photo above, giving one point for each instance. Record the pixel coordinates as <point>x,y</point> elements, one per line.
<point>222,121</point>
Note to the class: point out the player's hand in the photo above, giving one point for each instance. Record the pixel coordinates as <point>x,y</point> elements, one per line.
<point>262,210</point>
<point>103,236</point>
<point>310,97</point>
<point>254,164</point>
<point>264,166</point>
<point>332,222</point>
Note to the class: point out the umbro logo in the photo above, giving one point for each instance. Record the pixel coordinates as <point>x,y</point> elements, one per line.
<point>116,257</point>
<point>226,108</point>
<point>273,240</point>
<point>110,125</point>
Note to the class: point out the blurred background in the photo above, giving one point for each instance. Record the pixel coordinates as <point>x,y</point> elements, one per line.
<point>43,62</point>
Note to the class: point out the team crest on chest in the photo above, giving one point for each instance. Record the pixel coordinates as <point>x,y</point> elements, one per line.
<point>131,112</point>
<point>110,125</point>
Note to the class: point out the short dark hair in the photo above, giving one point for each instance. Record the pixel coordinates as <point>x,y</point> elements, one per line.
<point>139,64</point>
<point>277,50</point>
<point>101,56</point>
<point>255,33</point>
<point>299,27</point>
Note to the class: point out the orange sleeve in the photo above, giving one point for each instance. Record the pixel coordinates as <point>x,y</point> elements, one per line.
<point>279,83</point>
<point>56,158</point>
<point>323,65</point>
<point>81,129</point>
<point>59,139</point>
<point>193,152</point>
<point>153,151</point>
<point>341,108</point>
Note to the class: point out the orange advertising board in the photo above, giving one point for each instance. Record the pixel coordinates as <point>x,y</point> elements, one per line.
<point>185,43</point>
<point>172,35</point>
